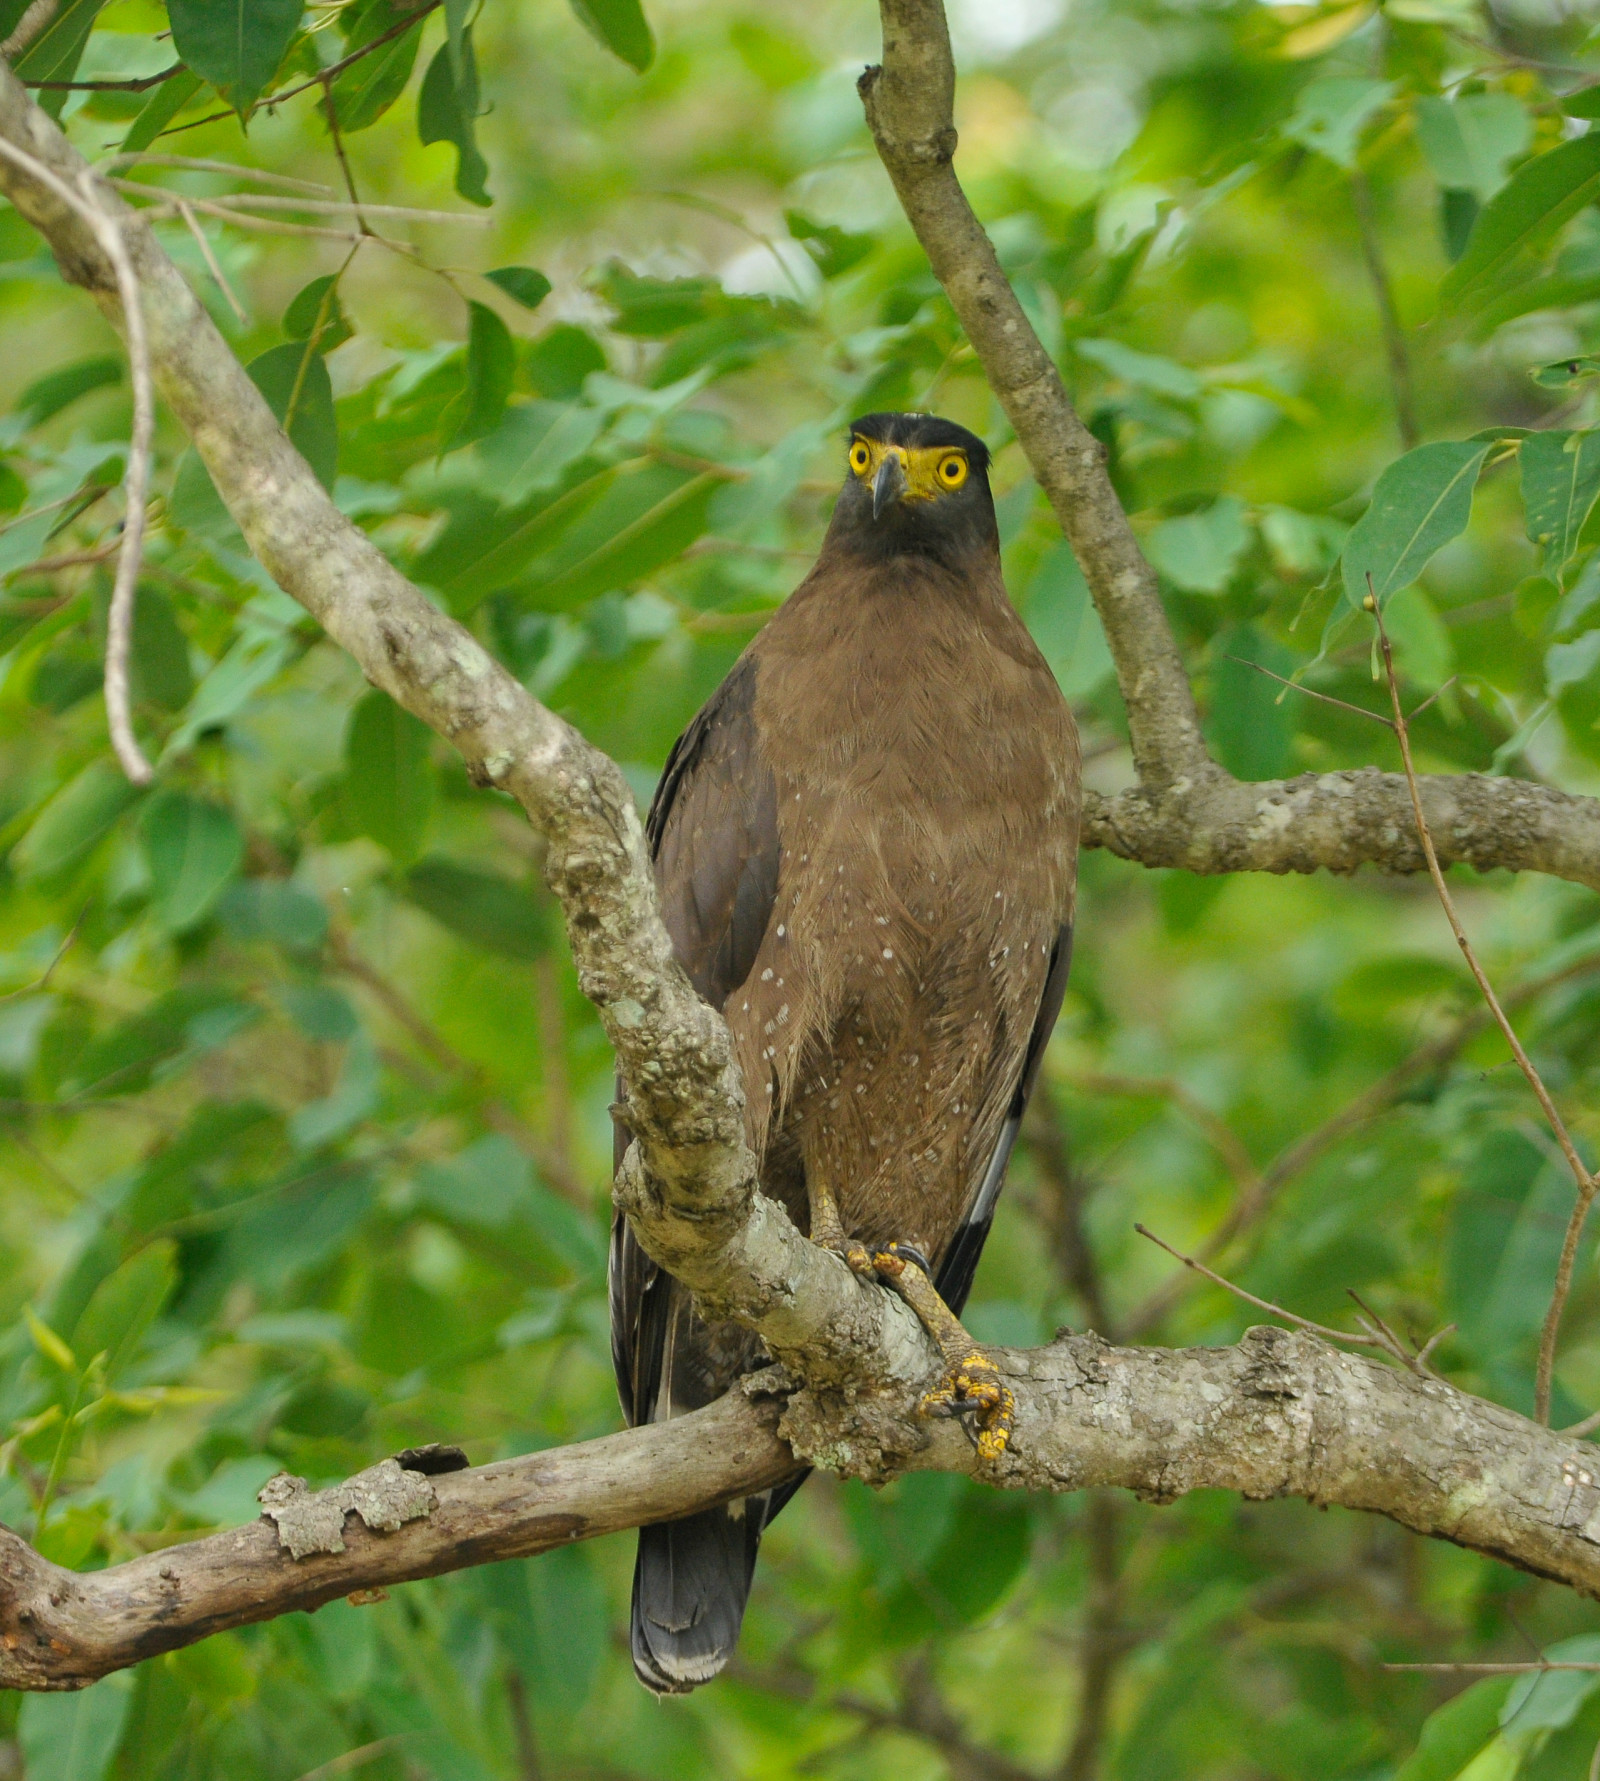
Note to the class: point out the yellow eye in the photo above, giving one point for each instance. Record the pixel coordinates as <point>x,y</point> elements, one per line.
<point>860,458</point>
<point>953,470</point>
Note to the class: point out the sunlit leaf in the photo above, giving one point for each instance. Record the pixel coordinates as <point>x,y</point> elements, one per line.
<point>483,908</point>
<point>160,109</point>
<point>1330,114</point>
<point>124,1306</point>
<point>1560,484</point>
<point>78,816</point>
<point>315,314</point>
<point>1469,141</point>
<point>1421,502</point>
<point>491,365</point>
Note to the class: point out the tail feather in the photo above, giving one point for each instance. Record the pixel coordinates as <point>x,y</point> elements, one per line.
<point>691,1580</point>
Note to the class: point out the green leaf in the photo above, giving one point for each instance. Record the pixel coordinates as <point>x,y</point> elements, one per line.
<point>1584,103</point>
<point>1469,142</point>
<point>555,365</point>
<point>447,111</point>
<point>1250,728</point>
<point>1330,115</point>
<point>316,314</point>
<point>160,657</point>
<point>72,822</point>
<point>1457,1732</point>
<point>491,366</point>
<point>1201,551</point>
<point>388,775</point>
<point>366,89</point>
<point>1522,215</point>
<point>271,909</point>
<point>533,445</point>
<point>621,26</point>
<point>1560,484</point>
<point>1145,370</point>
<point>124,1305</point>
<point>1549,1701</point>
<point>73,1737</point>
<point>521,283</point>
<point>193,847</point>
<point>834,250</point>
<point>294,379</point>
<point>1566,371</point>
<point>1422,501</point>
<point>483,908</point>
<point>488,1183</point>
<point>195,1016</point>
<point>160,109</point>
<point>235,44</point>
<point>968,1572</point>
<point>48,395</point>
<point>55,53</point>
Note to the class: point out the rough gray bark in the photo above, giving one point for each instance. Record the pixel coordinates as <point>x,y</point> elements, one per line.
<point>1278,1414</point>
<point>1281,1414</point>
<point>1185,811</point>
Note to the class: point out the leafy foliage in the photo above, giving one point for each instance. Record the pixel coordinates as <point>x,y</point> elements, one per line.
<point>303,1121</point>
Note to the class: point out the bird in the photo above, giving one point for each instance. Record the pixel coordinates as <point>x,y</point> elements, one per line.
<point>865,848</point>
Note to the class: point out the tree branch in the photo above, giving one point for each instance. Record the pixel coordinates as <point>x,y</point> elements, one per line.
<point>1280,1414</point>
<point>1185,811</point>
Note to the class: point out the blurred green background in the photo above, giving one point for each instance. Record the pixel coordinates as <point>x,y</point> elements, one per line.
<point>303,1134</point>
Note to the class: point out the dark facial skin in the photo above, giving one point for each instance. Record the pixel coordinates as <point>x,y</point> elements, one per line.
<point>951,525</point>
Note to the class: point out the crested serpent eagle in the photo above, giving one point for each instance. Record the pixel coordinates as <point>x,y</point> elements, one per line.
<point>866,849</point>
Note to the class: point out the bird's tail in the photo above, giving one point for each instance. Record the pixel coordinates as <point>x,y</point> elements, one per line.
<point>691,1580</point>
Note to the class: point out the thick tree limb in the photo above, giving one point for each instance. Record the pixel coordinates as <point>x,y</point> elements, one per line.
<point>1279,1415</point>
<point>1186,811</point>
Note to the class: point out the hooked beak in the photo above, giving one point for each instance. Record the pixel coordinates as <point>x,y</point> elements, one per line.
<point>889,484</point>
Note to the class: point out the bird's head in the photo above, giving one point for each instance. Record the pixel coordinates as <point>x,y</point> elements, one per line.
<point>915,485</point>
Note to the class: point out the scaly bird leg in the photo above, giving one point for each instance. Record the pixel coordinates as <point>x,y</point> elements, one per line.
<point>827,1228</point>
<point>970,1382</point>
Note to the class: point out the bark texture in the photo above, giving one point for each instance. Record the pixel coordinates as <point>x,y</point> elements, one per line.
<point>1186,810</point>
<point>1280,1414</point>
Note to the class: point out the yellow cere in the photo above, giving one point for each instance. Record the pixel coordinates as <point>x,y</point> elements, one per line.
<point>929,469</point>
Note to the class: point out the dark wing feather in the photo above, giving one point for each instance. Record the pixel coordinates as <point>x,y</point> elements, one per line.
<point>960,1263</point>
<point>713,831</point>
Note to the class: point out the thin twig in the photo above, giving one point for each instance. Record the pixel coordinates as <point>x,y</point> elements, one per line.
<point>74,559</point>
<point>1433,1342</point>
<point>107,231</point>
<point>42,982</point>
<point>335,69</point>
<point>1418,710</point>
<point>1587,1426</point>
<point>352,1759</point>
<point>316,206</point>
<point>1312,693</point>
<point>211,263</point>
<point>1223,1139</point>
<point>1585,1181</point>
<point>141,84</point>
<point>201,164</point>
<point>1304,1323</point>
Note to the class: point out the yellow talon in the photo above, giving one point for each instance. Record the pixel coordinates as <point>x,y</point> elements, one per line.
<point>975,1384</point>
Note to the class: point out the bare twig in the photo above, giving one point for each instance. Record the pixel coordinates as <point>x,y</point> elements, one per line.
<point>1311,692</point>
<point>202,164</point>
<point>352,1759</point>
<point>1587,1426</point>
<point>43,980</point>
<point>1492,1669</point>
<point>211,263</point>
<point>107,231</point>
<point>1586,1182</point>
<point>335,69</point>
<point>1221,1136</point>
<point>316,206</point>
<point>1371,1339</point>
<point>73,559</point>
<point>28,27</point>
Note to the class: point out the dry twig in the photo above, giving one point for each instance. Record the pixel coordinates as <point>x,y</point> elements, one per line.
<point>107,231</point>
<point>1586,1182</point>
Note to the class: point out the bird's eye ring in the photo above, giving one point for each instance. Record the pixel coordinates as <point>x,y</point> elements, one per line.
<point>860,458</point>
<point>953,470</point>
